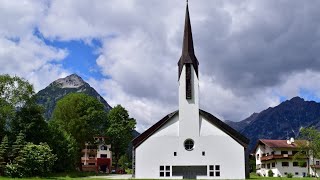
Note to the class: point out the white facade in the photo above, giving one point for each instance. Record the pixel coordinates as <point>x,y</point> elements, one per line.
<point>281,162</point>
<point>219,148</point>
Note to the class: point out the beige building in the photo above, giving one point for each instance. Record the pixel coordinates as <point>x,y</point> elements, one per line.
<point>97,157</point>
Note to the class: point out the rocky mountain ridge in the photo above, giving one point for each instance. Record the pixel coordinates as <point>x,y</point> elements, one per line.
<point>279,122</point>
<point>49,96</point>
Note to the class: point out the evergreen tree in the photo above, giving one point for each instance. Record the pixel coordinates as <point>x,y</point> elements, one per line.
<point>16,147</point>
<point>4,150</point>
<point>29,120</point>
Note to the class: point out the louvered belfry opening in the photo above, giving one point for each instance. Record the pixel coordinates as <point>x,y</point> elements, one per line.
<point>188,82</point>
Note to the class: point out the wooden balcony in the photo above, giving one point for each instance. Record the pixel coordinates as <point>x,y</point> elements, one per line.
<point>88,158</point>
<point>315,166</point>
<point>89,151</point>
<point>276,156</point>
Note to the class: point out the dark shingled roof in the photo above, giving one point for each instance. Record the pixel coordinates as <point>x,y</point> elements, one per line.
<point>212,119</point>
<point>188,56</point>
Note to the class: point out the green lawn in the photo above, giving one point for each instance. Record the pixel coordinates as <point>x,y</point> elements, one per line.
<point>61,176</point>
<point>254,176</point>
<point>83,176</point>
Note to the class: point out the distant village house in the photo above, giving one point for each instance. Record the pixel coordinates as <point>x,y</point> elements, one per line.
<point>97,157</point>
<point>277,156</point>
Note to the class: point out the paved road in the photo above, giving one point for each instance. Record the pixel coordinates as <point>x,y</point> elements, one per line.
<point>114,176</point>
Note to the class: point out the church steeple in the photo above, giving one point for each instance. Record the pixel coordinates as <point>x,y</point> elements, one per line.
<point>188,56</point>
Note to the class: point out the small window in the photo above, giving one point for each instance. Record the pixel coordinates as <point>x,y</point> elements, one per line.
<point>103,155</point>
<point>92,155</point>
<point>317,163</point>
<point>268,166</point>
<point>257,156</point>
<point>285,164</point>
<point>285,173</point>
<point>295,164</point>
<point>273,164</point>
<point>104,148</point>
<point>165,171</point>
<point>188,144</point>
<point>263,165</point>
<point>214,170</point>
<point>92,163</point>
<point>217,168</point>
<point>203,153</point>
<point>294,152</point>
<point>211,167</point>
<point>296,173</point>
<point>175,153</point>
<point>284,152</point>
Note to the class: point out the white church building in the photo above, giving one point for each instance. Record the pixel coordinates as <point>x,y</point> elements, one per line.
<point>190,143</point>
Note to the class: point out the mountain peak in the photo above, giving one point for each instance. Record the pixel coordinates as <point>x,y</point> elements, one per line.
<point>297,99</point>
<point>71,81</point>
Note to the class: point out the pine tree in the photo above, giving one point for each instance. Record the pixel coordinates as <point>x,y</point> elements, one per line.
<point>17,146</point>
<point>4,150</point>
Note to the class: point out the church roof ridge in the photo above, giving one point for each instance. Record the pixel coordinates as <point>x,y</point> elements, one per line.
<point>241,139</point>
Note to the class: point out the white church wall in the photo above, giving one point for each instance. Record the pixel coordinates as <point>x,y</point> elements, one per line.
<point>219,148</point>
<point>157,150</point>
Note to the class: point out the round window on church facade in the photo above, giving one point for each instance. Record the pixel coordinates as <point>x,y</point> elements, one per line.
<point>189,144</point>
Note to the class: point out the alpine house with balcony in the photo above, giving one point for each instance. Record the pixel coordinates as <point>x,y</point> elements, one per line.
<point>277,156</point>
<point>97,157</point>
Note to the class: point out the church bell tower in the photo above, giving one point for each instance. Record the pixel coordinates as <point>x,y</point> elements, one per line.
<point>188,85</point>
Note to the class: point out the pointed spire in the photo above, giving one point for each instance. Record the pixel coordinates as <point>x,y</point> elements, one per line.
<point>188,56</point>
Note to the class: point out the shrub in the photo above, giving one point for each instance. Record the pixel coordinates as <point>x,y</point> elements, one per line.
<point>289,175</point>
<point>13,170</point>
<point>33,160</point>
<point>270,173</point>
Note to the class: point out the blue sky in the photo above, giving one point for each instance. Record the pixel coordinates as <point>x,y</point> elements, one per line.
<point>252,54</point>
<point>81,56</point>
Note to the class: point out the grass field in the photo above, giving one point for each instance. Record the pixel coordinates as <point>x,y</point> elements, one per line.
<point>254,176</point>
<point>83,176</point>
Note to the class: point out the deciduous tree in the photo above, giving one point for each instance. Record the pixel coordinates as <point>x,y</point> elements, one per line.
<point>81,116</point>
<point>119,131</point>
<point>15,92</point>
<point>311,148</point>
